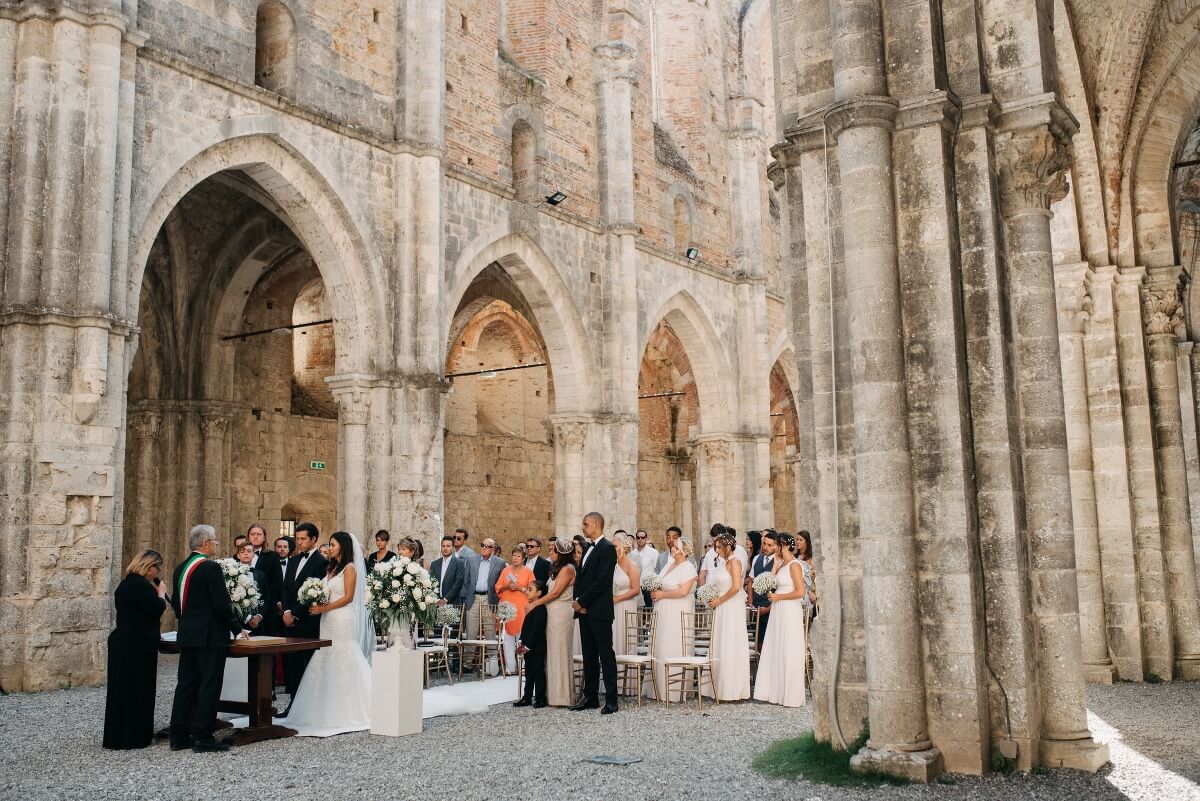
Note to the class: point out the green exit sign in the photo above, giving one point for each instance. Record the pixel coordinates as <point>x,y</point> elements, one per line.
<point>316,465</point>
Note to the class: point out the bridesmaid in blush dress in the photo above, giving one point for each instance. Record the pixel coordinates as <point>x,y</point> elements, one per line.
<point>670,602</point>
<point>731,647</point>
<point>781,664</point>
<point>627,580</point>
<point>560,625</point>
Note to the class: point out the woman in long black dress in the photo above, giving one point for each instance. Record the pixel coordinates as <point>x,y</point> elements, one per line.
<point>133,654</point>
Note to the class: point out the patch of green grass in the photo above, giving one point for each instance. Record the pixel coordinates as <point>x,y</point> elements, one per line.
<point>804,757</point>
<point>1154,678</point>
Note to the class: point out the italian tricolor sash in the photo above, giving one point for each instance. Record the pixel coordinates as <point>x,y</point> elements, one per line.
<point>185,576</point>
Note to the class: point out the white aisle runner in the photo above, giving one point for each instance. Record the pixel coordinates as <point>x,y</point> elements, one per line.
<point>463,698</point>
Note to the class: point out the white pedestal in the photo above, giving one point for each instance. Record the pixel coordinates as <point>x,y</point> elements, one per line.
<point>234,686</point>
<point>397,684</point>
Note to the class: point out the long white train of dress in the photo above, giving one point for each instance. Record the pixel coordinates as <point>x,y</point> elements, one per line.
<point>334,697</point>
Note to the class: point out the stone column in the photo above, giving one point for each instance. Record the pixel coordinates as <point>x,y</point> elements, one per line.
<point>1157,648</point>
<point>1033,161</point>
<point>1193,354</point>
<point>1074,309</point>
<point>711,490</point>
<point>214,423</point>
<point>1163,312</point>
<point>1110,474</point>
<point>570,437</point>
<point>146,429</point>
<point>861,121</point>
<point>354,411</point>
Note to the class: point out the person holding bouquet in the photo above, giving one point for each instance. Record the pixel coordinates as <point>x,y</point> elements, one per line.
<point>511,587</point>
<point>627,579</point>
<point>533,648</point>
<point>671,600</point>
<point>781,664</point>
<point>731,649</point>
<point>306,563</point>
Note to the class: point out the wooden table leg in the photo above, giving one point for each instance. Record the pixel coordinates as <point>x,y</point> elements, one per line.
<point>260,678</point>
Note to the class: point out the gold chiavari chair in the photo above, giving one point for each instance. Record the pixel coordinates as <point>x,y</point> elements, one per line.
<point>752,627</point>
<point>686,673</point>
<point>484,639</point>
<point>434,647</point>
<point>638,659</point>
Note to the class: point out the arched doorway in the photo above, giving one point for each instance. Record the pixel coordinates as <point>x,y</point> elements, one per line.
<point>784,451</point>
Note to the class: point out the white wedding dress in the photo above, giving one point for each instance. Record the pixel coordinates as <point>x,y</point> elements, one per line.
<point>334,697</point>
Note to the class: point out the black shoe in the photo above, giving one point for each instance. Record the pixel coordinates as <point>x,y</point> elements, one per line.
<point>523,702</point>
<point>211,746</point>
<point>584,703</point>
<point>540,705</point>
<point>181,745</point>
<point>609,708</point>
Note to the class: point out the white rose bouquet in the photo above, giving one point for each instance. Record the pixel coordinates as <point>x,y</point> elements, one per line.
<point>506,611</point>
<point>447,616</point>
<point>312,591</point>
<point>651,581</point>
<point>764,583</point>
<point>401,588</point>
<point>707,593</point>
<point>241,586</point>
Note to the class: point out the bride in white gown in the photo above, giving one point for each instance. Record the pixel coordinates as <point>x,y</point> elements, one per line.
<point>334,696</point>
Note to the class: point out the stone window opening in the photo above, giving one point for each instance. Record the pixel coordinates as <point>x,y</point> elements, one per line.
<point>274,47</point>
<point>524,162</point>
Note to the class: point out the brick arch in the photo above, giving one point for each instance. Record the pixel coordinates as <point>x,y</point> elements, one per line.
<point>665,343</point>
<point>711,366</point>
<point>1166,111</point>
<point>313,209</point>
<point>551,308</point>
<point>783,402</point>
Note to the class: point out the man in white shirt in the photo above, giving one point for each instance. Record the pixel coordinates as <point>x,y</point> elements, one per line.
<point>645,556</point>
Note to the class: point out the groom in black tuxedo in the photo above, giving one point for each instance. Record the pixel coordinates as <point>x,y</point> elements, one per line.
<point>594,611</point>
<point>206,621</point>
<point>306,563</point>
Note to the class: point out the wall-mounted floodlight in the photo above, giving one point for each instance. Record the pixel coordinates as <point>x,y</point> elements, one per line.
<point>556,198</point>
<point>692,253</point>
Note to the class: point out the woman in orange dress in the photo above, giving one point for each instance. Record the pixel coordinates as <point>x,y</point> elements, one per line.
<point>511,587</point>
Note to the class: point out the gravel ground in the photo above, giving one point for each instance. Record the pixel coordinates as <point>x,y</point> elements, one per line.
<point>51,747</point>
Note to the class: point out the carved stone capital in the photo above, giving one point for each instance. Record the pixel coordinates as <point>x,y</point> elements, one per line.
<point>1162,309</point>
<point>354,405</point>
<point>617,62</point>
<point>213,425</point>
<point>146,425</point>
<point>935,108</point>
<point>1033,169</point>
<point>1072,291</point>
<point>572,435</point>
<point>714,450</point>
<point>875,111</point>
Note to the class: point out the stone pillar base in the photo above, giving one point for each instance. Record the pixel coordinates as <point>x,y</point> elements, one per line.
<point>1187,668</point>
<point>1103,673</point>
<point>1086,754</point>
<point>915,766</point>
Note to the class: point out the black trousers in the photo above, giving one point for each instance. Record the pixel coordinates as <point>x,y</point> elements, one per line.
<point>763,620</point>
<point>535,676</point>
<point>294,665</point>
<point>197,693</point>
<point>596,640</point>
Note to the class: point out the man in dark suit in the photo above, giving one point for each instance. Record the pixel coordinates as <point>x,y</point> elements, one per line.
<point>535,561</point>
<point>297,621</point>
<point>594,611</point>
<point>763,563</point>
<point>450,573</point>
<point>267,561</point>
<point>206,622</point>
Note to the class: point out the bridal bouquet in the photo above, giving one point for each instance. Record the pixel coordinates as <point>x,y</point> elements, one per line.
<point>506,611</point>
<point>242,589</point>
<point>651,582</point>
<point>312,591</point>
<point>401,589</point>
<point>764,583</point>
<point>707,593</point>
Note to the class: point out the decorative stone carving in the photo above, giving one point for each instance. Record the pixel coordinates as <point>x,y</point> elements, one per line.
<point>1033,169</point>
<point>213,425</point>
<point>1074,306</point>
<point>146,425</point>
<point>1162,310</point>
<point>715,450</point>
<point>354,405</point>
<point>879,112</point>
<point>571,435</point>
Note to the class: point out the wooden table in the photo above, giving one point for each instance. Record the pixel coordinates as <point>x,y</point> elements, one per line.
<point>260,679</point>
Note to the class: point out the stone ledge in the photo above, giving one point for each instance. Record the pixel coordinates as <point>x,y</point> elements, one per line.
<point>915,766</point>
<point>1084,754</point>
<point>875,111</point>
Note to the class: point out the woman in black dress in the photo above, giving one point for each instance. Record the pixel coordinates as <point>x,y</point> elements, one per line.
<point>133,654</point>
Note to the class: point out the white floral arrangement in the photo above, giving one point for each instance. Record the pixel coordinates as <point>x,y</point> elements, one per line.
<point>400,589</point>
<point>506,611</point>
<point>707,593</point>
<point>765,582</point>
<point>241,586</point>
<point>312,591</point>
<point>651,582</point>
<point>447,617</point>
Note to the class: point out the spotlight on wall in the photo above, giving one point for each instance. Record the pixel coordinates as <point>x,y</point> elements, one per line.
<point>556,198</point>
<point>692,253</point>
